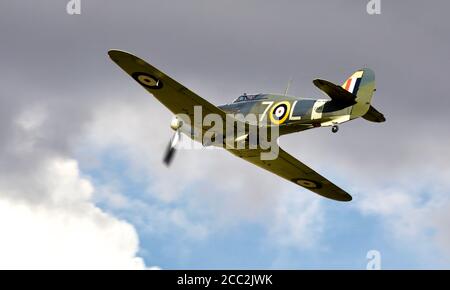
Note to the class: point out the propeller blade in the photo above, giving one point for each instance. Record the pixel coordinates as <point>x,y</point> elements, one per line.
<point>171,148</point>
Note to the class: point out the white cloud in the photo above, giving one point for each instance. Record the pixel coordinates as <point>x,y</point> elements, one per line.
<point>415,215</point>
<point>48,219</point>
<point>223,190</point>
<point>68,231</point>
<point>297,222</point>
<point>403,181</point>
<point>204,191</point>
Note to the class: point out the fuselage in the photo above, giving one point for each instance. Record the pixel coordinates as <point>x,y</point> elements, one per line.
<point>290,113</point>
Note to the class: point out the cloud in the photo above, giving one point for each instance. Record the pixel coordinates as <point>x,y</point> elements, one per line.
<point>415,212</point>
<point>67,231</point>
<point>48,219</point>
<point>297,223</point>
<point>204,191</point>
<point>205,186</point>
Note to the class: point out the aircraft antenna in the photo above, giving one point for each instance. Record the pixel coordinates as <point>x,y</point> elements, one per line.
<point>287,87</point>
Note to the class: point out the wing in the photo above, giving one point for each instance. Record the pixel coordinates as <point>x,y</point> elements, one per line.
<point>169,92</point>
<point>295,171</point>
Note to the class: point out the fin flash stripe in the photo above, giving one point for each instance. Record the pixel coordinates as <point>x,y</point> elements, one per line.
<point>352,83</point>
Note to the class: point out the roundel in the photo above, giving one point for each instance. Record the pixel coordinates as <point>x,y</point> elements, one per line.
<point>147,80</point>
<point>308,183</point>
<point>280,112</point>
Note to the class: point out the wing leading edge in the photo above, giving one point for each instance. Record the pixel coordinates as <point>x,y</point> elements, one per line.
<point>295,171</point>
<point>177,98</point>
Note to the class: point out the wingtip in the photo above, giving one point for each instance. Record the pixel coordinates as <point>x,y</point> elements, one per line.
<point>116,53</point>
<point>343,197</point>
<point>112,52</point>
<point>337,196</point>
<point>348,198</point>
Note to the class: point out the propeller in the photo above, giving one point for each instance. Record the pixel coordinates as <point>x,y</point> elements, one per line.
<point>172,146</point>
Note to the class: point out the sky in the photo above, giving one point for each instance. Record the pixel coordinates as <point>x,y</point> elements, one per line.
<point>82,183</point>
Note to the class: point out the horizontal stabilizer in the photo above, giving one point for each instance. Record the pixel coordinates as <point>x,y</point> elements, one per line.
<point>373,115</point>
<point>335,92</point>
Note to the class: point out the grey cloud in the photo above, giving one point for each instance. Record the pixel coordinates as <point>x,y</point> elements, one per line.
<point>221,49</point>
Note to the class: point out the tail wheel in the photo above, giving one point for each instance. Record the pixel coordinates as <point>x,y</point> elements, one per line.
<point>335,128</point>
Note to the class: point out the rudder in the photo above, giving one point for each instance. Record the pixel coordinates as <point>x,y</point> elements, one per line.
<point>362,85</point>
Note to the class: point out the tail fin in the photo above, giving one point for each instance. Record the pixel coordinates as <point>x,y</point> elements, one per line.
<point>362,85</point>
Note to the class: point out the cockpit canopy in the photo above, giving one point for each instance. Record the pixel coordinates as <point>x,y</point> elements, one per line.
<point>246,97</point>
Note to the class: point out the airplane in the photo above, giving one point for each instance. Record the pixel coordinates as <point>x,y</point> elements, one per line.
<point>347,102</point>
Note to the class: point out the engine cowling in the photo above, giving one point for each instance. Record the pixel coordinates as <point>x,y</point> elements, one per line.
<point>176,124</point>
